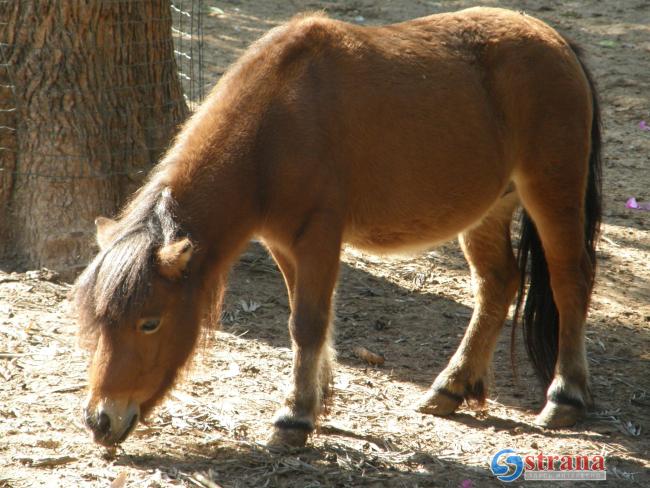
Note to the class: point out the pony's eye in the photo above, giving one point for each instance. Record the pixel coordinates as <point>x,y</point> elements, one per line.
<point>150,326</point>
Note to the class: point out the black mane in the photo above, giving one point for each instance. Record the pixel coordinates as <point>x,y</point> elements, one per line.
<point>117,283</point>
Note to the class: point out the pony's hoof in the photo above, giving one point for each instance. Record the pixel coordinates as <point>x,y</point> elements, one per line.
<point>558,415</point>
<point>288,432</point>
<point>284,438</point>
<point>439,401</point>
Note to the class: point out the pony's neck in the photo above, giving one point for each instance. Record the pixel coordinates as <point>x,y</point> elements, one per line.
<point>217,168</point>
<point>211,174</point>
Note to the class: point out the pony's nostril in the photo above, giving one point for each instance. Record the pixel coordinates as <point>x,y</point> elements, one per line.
<point>103,424</point>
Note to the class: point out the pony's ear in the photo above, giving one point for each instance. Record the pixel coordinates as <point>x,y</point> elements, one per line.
<point>173,258</point>
<point>105,230</point>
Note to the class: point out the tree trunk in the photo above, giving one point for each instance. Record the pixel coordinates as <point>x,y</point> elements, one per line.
<point>92,93</point>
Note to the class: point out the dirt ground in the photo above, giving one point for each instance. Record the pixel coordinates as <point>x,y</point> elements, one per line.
<point>211,430</point>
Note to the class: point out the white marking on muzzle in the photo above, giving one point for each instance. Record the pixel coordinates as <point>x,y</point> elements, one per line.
<point>123,416</point>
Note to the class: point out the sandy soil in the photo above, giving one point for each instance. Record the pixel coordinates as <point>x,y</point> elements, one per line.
<point>211,430</point>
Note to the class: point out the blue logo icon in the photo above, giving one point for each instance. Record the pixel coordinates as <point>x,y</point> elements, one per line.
<point>507,465</point>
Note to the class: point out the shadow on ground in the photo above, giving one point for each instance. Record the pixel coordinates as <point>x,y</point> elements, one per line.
<point>329,464</point>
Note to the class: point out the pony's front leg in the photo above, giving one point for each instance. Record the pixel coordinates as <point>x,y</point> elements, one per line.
<point>310,270</point>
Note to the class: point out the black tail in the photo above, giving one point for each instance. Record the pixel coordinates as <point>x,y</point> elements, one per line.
<point>540,316</point>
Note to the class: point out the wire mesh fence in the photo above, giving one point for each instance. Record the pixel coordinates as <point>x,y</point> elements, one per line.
<point>187,29</point>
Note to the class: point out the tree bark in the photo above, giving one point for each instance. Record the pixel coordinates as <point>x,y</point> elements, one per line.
<point>92,91</point>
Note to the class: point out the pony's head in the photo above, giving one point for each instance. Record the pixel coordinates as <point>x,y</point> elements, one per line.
<point>138,303</point>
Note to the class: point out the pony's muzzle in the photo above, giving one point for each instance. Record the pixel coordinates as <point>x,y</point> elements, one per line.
<point>111,422</point>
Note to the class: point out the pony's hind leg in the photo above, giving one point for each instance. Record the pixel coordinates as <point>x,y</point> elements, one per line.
<point>558,180</point>
<point>559,222</point>
<point>310,268</point>
<point>494,271</point>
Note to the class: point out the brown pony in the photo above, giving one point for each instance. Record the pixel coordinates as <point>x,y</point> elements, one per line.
<point>386,138</point>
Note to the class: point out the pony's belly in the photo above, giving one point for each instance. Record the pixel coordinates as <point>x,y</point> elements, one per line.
<point>415,227</point>
<point>408,237</point>
<point>396,245</point>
